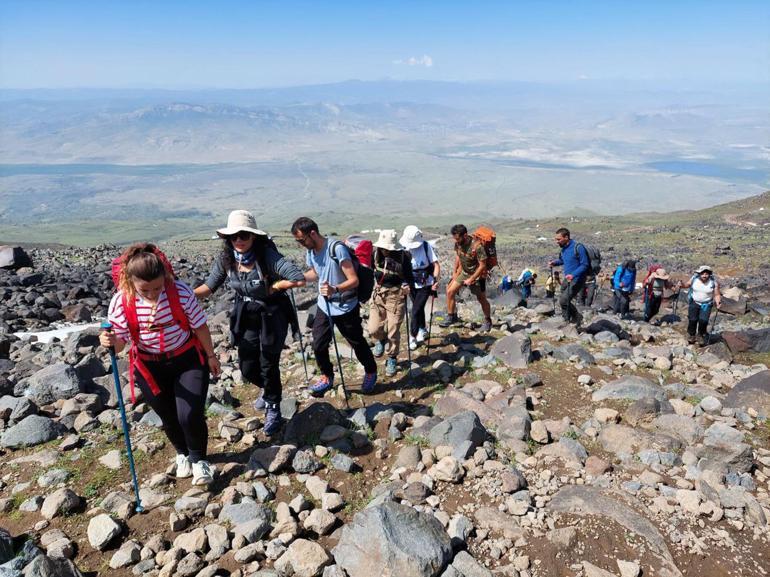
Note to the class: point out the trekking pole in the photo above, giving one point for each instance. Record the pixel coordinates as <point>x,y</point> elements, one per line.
<point>553,292</point>
<point>299,332</point>
<point>408,349</point>
<point>337,352</point>
<point>430,321</point>
<point>106,326</point>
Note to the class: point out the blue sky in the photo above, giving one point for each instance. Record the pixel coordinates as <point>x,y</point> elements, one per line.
<point>241,44</point>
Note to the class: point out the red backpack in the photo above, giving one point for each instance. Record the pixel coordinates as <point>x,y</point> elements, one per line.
<point>132,320</point>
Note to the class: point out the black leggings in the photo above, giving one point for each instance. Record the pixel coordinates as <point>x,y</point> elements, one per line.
<point>259,363</point>
<point>183,382</point>
<point>419,299</point>
<point>698,318</point>
<point>349,325</point>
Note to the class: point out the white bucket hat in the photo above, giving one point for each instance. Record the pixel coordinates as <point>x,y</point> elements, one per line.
<point>704,268</point>
<point>412,237</point>
<point>388,240</point>
<point>239,220</point>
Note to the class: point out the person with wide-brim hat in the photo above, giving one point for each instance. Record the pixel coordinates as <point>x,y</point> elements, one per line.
<point>259,321</point>
<point>703,294</point>
<point>654,287</point>
<point>394,279</point>
<point>426,271</point>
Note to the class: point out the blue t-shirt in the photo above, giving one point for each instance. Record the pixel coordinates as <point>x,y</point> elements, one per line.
<point>329,271</point>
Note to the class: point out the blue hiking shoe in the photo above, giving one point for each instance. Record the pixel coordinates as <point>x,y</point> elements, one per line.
<point>379,349</point>
<point>320,386</point>
<point>260,403</point>
<point>390,367</point>
<point>273,419</point>
<point>370,381</point>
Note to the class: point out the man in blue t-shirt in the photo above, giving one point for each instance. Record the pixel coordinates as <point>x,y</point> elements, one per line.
<point>337,284</point>
<point>575,260</point>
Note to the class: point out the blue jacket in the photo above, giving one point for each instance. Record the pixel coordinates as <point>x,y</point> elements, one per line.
<point>626,276</point>
<point>577,267</point>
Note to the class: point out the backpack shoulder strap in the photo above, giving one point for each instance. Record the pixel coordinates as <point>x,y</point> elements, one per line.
<point>175,303</point>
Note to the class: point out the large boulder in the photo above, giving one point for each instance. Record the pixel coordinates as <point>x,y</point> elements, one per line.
<point>629,387</point>
<point>753,392</point>
<point>730,306</point>
<point>14,257</point>
<point>751,340</point>
<point>306,426</point>
<point>31,431</point>
<point>393,540</point>
<point>457,429</point>
<point>514,350</point>
<point>54,382</point>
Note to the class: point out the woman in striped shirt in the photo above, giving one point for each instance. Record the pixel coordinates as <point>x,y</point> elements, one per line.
<point>172,353</point>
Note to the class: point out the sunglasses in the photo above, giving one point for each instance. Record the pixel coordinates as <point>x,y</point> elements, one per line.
<point>242,235</point>
<point>301,240</point>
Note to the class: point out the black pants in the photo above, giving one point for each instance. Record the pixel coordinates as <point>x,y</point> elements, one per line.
<point>570,290</point>
<point>259,362</point>
<point>622,302</point>
<point>183,382</point>
<point>698,318</point>
<point>652,306</point>
<point>350,327</point>
<point>419,300</point>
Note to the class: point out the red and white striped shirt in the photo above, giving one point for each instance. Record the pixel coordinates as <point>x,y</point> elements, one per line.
<point>150,328</point>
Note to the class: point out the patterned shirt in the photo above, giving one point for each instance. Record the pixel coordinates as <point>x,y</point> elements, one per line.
<point>151,325</point>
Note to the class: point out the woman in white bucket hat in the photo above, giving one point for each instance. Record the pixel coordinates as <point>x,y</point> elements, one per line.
<point>426,271</point>
<point>394,280</point>
<point>259,321</point>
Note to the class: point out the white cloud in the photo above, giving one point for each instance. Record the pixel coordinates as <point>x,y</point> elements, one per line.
<point>423,60</point>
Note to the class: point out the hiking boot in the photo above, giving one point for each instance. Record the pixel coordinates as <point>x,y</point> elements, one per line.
<point>413,344</point>
<point>202,473</point>
<point>379,349</point>
<point>183,467</point>
<point>390,367</point>
<point>370,381</point>
<point>260,403</point>
<point>486,326</point>
<point>320,386</point>
<point>449,321</point>
<point>273,419</point>
<point>704,340</point>
<point>691,339</point>
<point>422,336</point>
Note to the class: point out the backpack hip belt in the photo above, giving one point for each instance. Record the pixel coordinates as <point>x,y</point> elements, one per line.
<point>136,358</point>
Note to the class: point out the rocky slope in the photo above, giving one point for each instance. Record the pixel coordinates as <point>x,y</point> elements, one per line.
<point>533,450</point>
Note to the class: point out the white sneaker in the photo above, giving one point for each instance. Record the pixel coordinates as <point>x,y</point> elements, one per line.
<point>422,334</point>
<point>202,473</point>
<point>183,467</point>
<point>412,344</point>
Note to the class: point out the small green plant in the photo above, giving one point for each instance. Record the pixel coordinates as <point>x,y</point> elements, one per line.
<point>571,434</point>
<point>417,440</point>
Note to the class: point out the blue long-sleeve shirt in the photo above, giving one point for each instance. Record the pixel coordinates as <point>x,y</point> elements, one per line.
<point>626,277</point>
<point>577,267</point>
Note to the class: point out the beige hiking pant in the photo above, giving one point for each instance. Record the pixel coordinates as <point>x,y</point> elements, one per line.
<point>386,314</point>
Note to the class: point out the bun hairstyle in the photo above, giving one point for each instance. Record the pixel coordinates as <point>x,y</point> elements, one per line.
<point>140,261</point>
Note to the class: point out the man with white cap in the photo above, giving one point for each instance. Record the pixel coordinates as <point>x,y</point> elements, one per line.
<point>702,296</point>
<point>426,270</point>
<point>394,280</point>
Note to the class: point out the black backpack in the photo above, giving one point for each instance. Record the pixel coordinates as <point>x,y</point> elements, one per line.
<point>365,274</point>
<point>594,257</point>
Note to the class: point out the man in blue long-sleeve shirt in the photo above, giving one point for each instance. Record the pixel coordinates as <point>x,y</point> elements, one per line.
<point>575,260</point>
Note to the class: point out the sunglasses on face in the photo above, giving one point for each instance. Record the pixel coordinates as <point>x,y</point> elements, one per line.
<point>242,235</point>
<point>301,240</point>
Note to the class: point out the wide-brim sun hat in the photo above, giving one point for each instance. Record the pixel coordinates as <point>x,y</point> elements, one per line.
<point>412,237</point>
<point>388,240</point>
<point>240,220</point>
<point>661,274</point>
<point>704,268</point>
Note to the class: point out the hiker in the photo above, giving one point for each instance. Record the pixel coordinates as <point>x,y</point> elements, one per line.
<point>470,270</point>
<point>574,259</point>
<point>586,296</point>
<point>525,282</point>
<point>623,285</point>
<point>332,266</point>
<point>393,282</point>
<point>171,354</point>
<point>654,286</point>
<point>260,276</point>
<point>426,271</point>
<point>702,296</point>
<point>553,281</point>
